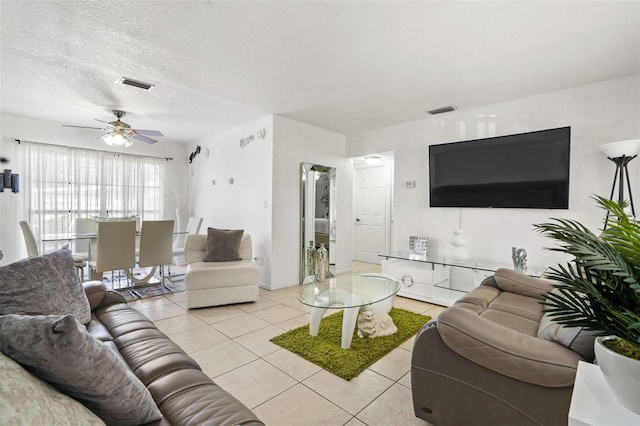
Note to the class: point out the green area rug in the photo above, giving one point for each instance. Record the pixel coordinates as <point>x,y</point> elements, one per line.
<point>324,349</point>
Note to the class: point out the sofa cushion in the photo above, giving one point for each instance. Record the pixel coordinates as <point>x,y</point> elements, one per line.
<point>188,396</point>
<point>512,322</point>
<point>202,275</point>
<point>59,350</point>
<point>518,305</point>
<point>22,284</point>
<point>45,402</point>
<point>480,297</point>
<point>223,245</point>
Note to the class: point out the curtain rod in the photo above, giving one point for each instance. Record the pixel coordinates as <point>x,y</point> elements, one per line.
<point>94,150</point>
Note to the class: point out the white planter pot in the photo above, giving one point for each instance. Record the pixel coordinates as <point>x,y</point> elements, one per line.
<point>621,373</point>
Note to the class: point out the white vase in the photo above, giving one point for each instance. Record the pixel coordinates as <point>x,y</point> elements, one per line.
<point>459,243</point>
<point>181,225</point>
<point>621,373</point>
<point>322,263</point>
<point>310,261</point>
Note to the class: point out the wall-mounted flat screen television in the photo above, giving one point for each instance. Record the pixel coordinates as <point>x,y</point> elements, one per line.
<point>526,170</point>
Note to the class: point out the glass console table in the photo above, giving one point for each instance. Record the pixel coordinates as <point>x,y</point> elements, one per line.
<point>438,279</point>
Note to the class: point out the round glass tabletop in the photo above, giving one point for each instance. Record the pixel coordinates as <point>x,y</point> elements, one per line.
<point>348,291</point>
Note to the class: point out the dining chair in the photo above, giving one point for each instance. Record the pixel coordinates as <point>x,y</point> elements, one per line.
<point>33,251</point>
<point>84,225</point>
<point>156,246</point>
<point>193,227</point>
<point>115,248</point>
<point>29,239</point>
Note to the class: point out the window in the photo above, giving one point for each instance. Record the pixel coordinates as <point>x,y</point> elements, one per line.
<point>63,183</point>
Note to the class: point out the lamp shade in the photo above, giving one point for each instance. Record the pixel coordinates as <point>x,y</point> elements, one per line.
<point>627,148</point>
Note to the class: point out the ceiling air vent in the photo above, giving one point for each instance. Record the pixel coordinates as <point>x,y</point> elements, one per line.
<point>442,110</point>
<point>135,83</point>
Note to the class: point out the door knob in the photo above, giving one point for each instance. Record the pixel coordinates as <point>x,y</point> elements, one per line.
<point>357,219</point>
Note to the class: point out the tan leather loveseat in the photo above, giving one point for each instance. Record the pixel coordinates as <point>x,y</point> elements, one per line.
<point>493,358</point>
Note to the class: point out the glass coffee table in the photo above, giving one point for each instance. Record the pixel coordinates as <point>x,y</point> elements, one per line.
<point>350,293</point>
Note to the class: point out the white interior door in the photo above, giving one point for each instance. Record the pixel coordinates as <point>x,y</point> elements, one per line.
<point>370,213</point>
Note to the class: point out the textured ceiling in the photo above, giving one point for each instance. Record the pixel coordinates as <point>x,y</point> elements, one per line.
<point>345,66</point>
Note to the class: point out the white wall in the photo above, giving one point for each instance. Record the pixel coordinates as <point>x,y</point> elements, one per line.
<point>295,143</point>
<point>597,113</point>
<point>11,205</point>
<point>264,199</point>
<point>245,204</point>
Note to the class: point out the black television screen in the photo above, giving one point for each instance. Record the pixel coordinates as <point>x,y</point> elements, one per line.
<point>527,170</point>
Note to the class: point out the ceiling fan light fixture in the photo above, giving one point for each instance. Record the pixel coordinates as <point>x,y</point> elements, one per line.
<point>108,139</point>
<point>116,138</point>
<point>372,159</point>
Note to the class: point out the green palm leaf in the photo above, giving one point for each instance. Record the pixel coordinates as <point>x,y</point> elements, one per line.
<point>600,288</point>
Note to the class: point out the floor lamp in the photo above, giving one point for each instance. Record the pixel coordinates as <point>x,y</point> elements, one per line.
<point>621,153</point>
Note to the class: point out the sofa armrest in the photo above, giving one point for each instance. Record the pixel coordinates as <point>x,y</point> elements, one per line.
<point>515,282</point>
<point>195,248</point>
<point>95,291</point>
<point>99,296</point>
<point>505,351</point>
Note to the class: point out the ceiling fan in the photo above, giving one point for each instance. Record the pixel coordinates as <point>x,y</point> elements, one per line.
<point>120,133</point>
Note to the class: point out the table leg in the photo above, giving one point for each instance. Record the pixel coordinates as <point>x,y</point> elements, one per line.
<point>314,322</point>
<point>349,319</point>
<point>145,279</point>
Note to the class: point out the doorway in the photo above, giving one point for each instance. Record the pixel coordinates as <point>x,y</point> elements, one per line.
<point>373,195</point>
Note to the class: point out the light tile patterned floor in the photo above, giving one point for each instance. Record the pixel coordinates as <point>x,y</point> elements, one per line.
<point>231,344</point>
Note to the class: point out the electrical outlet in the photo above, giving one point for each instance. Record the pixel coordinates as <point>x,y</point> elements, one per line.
<point>410,183</point>
<point>258,261</point>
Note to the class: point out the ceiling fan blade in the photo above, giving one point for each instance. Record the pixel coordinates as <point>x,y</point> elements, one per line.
<point>83,127</point>
<point>109,125</point>
<point>143,138</point>
<point>148,132</point>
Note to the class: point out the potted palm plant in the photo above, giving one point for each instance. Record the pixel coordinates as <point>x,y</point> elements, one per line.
<point>599,290</point>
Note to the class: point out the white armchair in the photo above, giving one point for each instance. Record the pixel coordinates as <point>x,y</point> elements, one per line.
<point>219,283</point>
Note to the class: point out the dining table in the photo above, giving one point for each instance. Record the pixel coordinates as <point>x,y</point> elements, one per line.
<point>73,236</point>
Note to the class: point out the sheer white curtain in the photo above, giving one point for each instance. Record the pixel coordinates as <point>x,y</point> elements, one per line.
<point>62,183</point>
<point>132,186</point>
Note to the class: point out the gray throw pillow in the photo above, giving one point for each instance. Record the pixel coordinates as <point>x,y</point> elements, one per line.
<point>577,339</point>
<point>59,350</point>
<point>46,404</point>
<point>223,245</point>
<point>44,285</point>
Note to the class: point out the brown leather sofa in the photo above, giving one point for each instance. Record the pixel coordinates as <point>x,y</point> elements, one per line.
<point>182,392</point>
<point>494,358</point>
